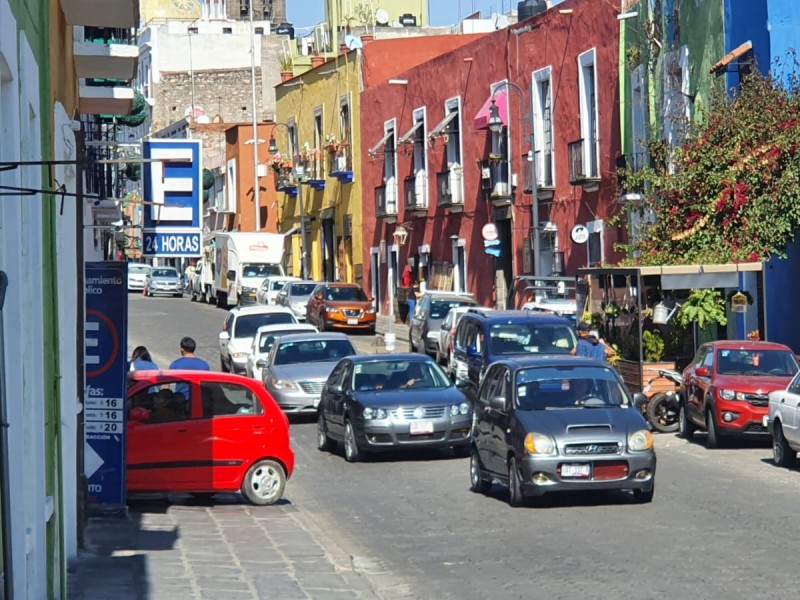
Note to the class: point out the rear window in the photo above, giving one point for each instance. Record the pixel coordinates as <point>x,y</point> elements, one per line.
<point>247,325</point>
<point>440,308</point>
<point>778,363</point>
<point>531,338</point>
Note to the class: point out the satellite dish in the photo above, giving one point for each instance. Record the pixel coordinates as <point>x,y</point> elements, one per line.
<point>353,42</point>
<point>382,16</point>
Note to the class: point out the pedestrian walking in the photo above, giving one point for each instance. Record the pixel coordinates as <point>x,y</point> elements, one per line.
<point>188,360</point>
<point>590,345</point>
<point>141,360</point>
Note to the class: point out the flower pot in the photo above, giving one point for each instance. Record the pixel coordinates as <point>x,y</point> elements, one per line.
<point>286,75</point>
<point>367,37</point>
<point>317,61</point>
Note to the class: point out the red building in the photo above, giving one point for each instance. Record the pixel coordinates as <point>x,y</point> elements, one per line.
<point>435,173</point>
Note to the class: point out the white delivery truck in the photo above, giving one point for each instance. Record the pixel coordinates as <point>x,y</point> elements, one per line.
<point>242,260</point>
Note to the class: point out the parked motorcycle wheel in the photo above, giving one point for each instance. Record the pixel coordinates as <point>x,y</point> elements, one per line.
<point>662,413</point>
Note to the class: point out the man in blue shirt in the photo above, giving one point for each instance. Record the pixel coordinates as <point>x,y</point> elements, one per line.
<point>589,345</point>
<point>188,360</point>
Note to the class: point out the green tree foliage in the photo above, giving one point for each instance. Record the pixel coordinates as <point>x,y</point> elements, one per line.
<point>731,192</point>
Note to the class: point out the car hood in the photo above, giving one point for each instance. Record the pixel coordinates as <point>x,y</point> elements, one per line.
<point>579,423</point>
<point>304,371</point>
<point>756,384</point>
<point>421,397</point>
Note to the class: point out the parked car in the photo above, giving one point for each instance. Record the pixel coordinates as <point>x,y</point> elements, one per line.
<point>299,365</point>
<point>783,422</point>
<point>447,332</point>
<point>563,307</point>
<point>137,276</point>
<point>262,343</point>
<point>386,402</point>
<point>240,327</point>
<point>228,435</point>
<point>550,424</point>
<point>340,306</point>
<point>294,296</point>
<point>164,280</point>
<point>485,337</point>
<point>426,321</point>
<point>727,387</point>
<point>268,291</point>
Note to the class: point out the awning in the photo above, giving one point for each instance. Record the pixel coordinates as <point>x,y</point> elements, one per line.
<point>731,56</point>
<point>408,134</point>
<point>482,118</point>
<point>443,123</point>
<point>374,150</point>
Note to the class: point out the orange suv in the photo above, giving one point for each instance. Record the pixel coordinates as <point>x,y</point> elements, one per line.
<point>340,305</point>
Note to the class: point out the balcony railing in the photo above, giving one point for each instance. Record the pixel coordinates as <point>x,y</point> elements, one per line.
<point>581,173</point>
<point>448,189</point>
<point>340,164</point>
<point>385,202</point>
<point>415,192</point>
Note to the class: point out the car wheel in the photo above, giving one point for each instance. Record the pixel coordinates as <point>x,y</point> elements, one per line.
<point>478,482</point>
<point>782,452</point>
<point>264,483</point>
<point>352,452</point>
<point>685,428</point>
<point>515,497</point>
<point>659,416</point>
<point>644,496</point>
<point>324,443</point>
<point>712,441</point>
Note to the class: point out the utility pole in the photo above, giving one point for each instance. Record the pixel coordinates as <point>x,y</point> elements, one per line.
<point>256,185</point>
<point>303,254</point>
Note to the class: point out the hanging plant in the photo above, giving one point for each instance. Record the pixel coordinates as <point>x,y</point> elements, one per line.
<point>654,346</point>
<point>138,111</point>
<point>208,179</point>
<point>704,307</point>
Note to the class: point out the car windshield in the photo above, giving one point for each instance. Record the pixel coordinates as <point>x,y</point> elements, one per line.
<point>440,308</point>
<point>260,270</point>
<point>247,325</point>
<point>339,294</point>
<point>311,351</point>
<point>531,338</point>
<point>393,375</point>
<point>301,289</point>
<point>267,339</point>
<point>779,363</point>
<point>139,269</point>
<point>551,388</point>
<point>164,273</point>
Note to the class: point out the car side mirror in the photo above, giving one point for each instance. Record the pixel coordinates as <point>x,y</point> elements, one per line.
<point>472,352</point>
<point>702,372</point>
<point>639,400</point>
<point>224,336</point>
<point>444,327</point>
<point>261,363</point>
<point>499,403</point>
<point>335,388</point>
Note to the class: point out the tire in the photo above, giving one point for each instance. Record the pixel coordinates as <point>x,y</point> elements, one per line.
<point>264,483</point>
<point>324,443</point>
<point>658,414</point>
<point>644,496</point>
<point>477,480</point>
<point>713,439</point>
<point>686,428</point>
<point>352,453</point>
<point>515,497</point>
<point>782,452</point>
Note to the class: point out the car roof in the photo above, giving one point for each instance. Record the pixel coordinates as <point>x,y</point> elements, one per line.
<point>313,336</point>
<point>516,316</point>
<point>746,345</point>
<point>408,356</point>
<point>285,326</point>
<point>552,360</point>
<point>259,309</point>
<point>192,374</point>
<point>448,295</point>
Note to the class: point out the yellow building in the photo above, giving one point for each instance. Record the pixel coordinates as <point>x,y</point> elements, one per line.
<point>316,134</point>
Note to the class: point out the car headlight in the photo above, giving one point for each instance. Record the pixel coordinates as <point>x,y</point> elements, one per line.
<point>457,409</point>
<point>283,384</point>
<point>330,309</point>
<point>248,290</point>
<point>539,443</point>
<point>375,414</point>
<point>371,311</point>
<point>641,440</point>
<point>731,395</point>
<point>432,335</point>
<point>239,355</point>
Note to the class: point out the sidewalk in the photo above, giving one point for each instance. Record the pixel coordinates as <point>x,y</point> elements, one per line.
<point>384,324</point>
<point>219,549</point>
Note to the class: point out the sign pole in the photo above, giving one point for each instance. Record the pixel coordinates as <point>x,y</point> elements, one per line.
<point>256,187</point>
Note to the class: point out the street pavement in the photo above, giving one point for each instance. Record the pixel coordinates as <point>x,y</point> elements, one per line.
<point>406,526</point>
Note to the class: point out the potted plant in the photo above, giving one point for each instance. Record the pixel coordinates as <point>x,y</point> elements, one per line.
<point>704,307</point>
<point>286,65</point>
<point>317,60</point>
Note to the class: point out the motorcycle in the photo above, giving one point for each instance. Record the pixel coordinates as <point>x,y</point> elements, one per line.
<point>661,410</point>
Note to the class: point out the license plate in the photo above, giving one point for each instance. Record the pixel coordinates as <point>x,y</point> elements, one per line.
<point>352,321</point>
<point>421,427</point>
<point>576,470</point>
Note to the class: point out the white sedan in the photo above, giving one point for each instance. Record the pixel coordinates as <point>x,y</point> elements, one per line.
<point>268,291</point>
<point>262,343</point>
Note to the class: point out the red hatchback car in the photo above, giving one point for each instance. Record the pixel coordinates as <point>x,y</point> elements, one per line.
<point>727,388</point>
<point>206,432</point>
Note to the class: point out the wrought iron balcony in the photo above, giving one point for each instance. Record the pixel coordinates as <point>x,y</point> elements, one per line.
<point>581,172</point>
<point>386,203</point>
<point>340,163</point>
<point>449,189</point>
<point>415,192</point>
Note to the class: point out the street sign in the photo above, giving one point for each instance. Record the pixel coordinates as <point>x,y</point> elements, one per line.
<point>173,191</point>
<point>105,359</point>
<point>489,232</point>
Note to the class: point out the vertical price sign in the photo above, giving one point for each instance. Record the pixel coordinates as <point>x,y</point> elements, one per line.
<point>105,360</point>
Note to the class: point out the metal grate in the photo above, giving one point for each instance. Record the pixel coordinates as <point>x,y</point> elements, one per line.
<point>353,312</point>
<point>757,399</point>
<point>593,449</point>
<point>312,387</point>
<point>428,412</point>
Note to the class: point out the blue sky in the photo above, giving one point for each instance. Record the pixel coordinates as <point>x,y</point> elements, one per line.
<point>306,13</point>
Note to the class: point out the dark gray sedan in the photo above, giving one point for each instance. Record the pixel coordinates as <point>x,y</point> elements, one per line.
<point>390,401</point>
<point>549,424</point>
